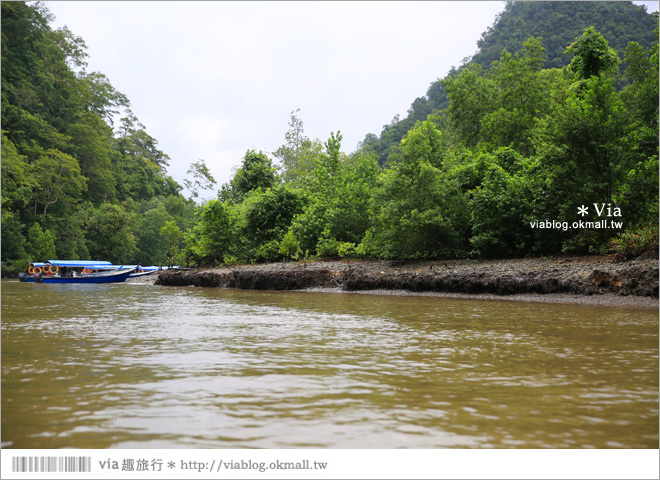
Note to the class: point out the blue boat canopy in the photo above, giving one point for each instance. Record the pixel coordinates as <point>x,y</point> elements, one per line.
<point>74,263</point>
<point>142,267</point>
<point>96,264</point>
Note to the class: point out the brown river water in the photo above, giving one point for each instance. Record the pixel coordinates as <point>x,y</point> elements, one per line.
<point>143,366</point>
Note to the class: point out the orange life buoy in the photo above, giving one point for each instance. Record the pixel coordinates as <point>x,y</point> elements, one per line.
<point>54,269</point>
<point>31,270</point>
<point>37,269</point>
<point>85,271</point>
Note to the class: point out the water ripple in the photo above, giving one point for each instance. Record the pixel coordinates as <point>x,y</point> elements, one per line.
<point>126,367</point>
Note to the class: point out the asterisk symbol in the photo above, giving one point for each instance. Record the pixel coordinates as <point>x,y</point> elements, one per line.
<point>582,210</point>
<point>171,465</point>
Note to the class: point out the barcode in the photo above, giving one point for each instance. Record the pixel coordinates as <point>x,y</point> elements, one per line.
<point>51,464</point>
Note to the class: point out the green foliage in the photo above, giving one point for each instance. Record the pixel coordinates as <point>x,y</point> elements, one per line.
<point>586,241</point>
<point>327,246</point>
<point>337,208</point>
<point>40,244</point>
<point>211,239</point>
<point>641,94</point>
<point>110,233</point>
<point>91,145</point>
<point>265,217</point>
<point>154,248</point>
<point>635,241</point>
<point>18,183</point>
<point>517,99</point>
<point>584,147</point>
<point>348,214</point>
<point>63,166</point>
<point>58,176</point>
<point>256,172</point>
<point>290,247</point>
<point>419,209</point>
<point>557,23</point>
<point>298,155</point>
<point>70,239</point>
<point>592,55</point>
<point>502,206</point>
<point>469,94</point>
<point>307,227</point>
<point>14,256</point>
<point>639,193</point>
<point>499,106</point>
<point>173,236</point>
<point>346,250</point>
<point>202,178</point>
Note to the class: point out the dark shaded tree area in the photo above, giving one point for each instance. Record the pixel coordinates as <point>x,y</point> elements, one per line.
<point>557,24</point>
<point>71,178</point>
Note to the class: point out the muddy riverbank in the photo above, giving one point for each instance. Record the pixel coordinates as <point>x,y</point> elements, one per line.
<point>595,279</point>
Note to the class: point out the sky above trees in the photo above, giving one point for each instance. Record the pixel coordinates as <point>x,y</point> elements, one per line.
<point>210,80</point>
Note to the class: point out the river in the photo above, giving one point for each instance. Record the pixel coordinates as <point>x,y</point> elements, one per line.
<point>143,366</point>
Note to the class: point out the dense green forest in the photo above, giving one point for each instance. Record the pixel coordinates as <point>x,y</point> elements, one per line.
<point>74,184</point>
<point>498,168</point>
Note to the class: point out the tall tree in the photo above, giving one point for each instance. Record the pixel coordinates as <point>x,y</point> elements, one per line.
<point>592,55</point>
<point>265,218</point>
<point>418,209</point>
<point>639,196</point>
<point>209,242</point>
<point>59,178</point>
<point>110,234</point>
<point>40,245</point>
<point>173,236</point>
<point>91,146</point>
<point>202,179</point>
<point>256,171</point>
<point>291,153</point>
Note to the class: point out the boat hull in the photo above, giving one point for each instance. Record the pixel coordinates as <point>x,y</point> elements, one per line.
<point>113,277</point>
<point>142,274</point>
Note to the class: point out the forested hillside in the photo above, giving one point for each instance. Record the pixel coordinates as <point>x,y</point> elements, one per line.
<point>557,23</point>
<point>74,184</point>
<point>523,160</point>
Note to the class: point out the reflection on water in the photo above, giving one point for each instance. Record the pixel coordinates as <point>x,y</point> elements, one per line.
<point>134,365</point>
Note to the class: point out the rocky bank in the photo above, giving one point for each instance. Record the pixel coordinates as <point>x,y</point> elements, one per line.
<point>596,276</point>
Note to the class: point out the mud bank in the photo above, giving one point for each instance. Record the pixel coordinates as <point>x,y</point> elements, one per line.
<point>574,276</point>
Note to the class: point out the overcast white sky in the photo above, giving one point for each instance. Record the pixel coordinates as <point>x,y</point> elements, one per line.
<point>213,79</point>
